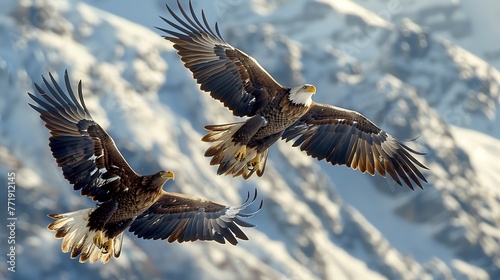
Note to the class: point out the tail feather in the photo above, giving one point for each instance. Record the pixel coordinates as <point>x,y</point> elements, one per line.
<point>223,152</point>
<point>78,238</point>
<point>117,248</point>
<point>263,163</point>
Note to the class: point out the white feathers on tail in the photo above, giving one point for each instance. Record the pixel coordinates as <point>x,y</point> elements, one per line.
<point>78,239</point>
<point>223,152</point>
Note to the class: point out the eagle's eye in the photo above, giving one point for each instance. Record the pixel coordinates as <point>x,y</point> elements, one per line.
<point>304,87</point>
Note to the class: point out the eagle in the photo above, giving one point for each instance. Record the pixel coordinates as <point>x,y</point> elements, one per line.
<point>274,112</point>
<point>91,162</point>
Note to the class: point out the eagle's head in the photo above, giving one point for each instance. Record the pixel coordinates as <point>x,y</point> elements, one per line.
<point>157,180</point>
<point>164,176</point>
<point>302,95</point>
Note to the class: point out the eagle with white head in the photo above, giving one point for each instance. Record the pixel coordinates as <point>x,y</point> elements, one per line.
<point>337,135</point>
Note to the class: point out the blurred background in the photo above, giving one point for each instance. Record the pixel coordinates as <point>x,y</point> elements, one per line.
<point>425,69</point>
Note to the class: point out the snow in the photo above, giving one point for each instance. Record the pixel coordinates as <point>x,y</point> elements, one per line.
<point>468,271</point>
<point>462,22</point>
<point>482,150</point>
<point>318,221</point>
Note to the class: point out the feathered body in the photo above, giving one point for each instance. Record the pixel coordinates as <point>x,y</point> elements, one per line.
<point>241,148</point>
<point>91,162</point>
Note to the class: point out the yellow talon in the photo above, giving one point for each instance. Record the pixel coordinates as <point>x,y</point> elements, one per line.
<point>107,246</point>
<point>241,153</point>
<point>98,239</point>
<point>254,164</point>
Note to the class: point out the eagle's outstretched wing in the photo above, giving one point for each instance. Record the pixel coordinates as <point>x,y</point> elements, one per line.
<point>342,136</point>
<point>183,218</point>
<point>86,153</point>
<point>228,74</point>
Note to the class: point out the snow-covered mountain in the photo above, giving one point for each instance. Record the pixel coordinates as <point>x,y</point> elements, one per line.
<point>318,221</point>
<point>466,23</point>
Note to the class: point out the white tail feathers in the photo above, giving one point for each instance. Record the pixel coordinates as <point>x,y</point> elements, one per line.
<point>78,239</point>
<point>224,149</point>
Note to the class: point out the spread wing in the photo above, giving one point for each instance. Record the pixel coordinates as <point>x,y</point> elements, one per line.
<point>228,74</point>
<point>342,136</point>
<point>86,153</point>
<point>186,218</point>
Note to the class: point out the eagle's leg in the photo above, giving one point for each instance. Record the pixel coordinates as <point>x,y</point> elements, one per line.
<point>108,245</point>
<point>98,239</point>
<point>112,230</point>
<point>255,162</point>
<point>241,154</point>
<point>98,218</point>
<point>101,244</point>
<point>263,145</point>
<point>245,133</point>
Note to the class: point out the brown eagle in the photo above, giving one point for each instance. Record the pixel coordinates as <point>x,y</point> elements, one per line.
<point>327,132</point>
<point>91,162</point>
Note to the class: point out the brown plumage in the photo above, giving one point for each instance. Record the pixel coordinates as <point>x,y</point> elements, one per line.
<point>91,162</point>
<point>323,131</point>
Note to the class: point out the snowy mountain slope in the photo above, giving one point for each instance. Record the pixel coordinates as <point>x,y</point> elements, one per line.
<point>318,221</point>
<point>465,92</point>
<point>482,155</point>
<point>466,23</point>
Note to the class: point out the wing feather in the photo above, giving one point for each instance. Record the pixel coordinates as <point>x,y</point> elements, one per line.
<point>227,73</point>
<point>348,138</point>
<point>86,154</point>
<point>179,217</point>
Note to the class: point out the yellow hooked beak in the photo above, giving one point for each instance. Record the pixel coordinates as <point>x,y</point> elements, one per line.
<point>169,175</point>
<point>310,88</point>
